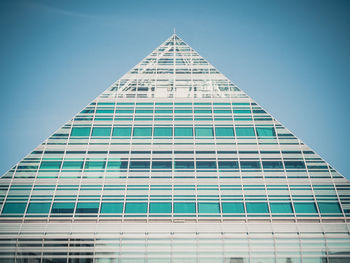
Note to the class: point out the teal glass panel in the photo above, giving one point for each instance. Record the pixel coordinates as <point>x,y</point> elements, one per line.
<point>142,131</point>
<point>117,165</point>
<point>265,132</point>
<point>204,132</point>
<point>184,208</point>
<point>250,164</point>
<point>135,208</point>
<point>164,111</point>
<point>144,111</point>
<point>50,165</point>
<point>80,131</point>
<point>111,208</point>
<point>72,165</point>
<point>234,208</point>
<point>184,164</point>
<point>206,164</point>
<point>202,111</point>
<point>139,164</point>
<point>163,132</point>
<point>14,208</point>
<point>245,131</point>
<point>95,165</point>
<point>62,208</point>
<point>38,208</point>
<point>294,164</point>
<point>101,131</point>
<point>208,208</point>
<point>281,208</point>
<point>272,165</point>
<point>183,131</point>
<point>161,165</point>
<point>329,208</point>
<point>228,165</point>
<point>90,208</point>
<point>122,131</point>
<point>305,208</point>
<point>224,132</point>
<point>160,208</point>
<point>257,208</point>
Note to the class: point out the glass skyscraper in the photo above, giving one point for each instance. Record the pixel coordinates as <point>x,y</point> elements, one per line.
<point>174,163</point>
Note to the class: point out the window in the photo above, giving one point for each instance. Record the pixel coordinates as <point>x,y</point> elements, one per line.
<point>206,164</point>
<point>204,132</point>
<point>184,208</point>
<point>265,132</point>
<point>50,165</point>
<point>208,208</point>
<point>101,131</point>
<point>80,131</point>
<point>246,131</point>
<point>294,165</point>
<point>122,131</point>
<point>14,208</point>
<point>111,208</point>
<point>257,208</point>
<point>136,208</point>
<point>95,165</point>
<point>272,165</point>
<point>329,208</point>
<point>72,165</point>
<point>184,165</point>
<point>38,208</point>
<point>281,208</point>
<point>62,208</point>
<point>160,208</point>
<point>117,165</point>
<point>228,165</point>
<point>90,208</point>
<point>250,164</point>
<point>305,208</point>
<point>142,131</point>
<point>163,131</point>
<point>161,165</point>
<point>139,164</point>
<point>234,208</point>
<point>224,132</point>
<point>183,131</point>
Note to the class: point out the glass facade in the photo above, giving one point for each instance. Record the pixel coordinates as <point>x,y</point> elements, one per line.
<point>174,163</point>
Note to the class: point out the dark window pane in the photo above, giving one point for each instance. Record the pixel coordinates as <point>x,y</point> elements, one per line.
<point>184,165</point>
<point>161,165</point>
<point>87,207</point>
<point>250,165</point>
<point>272,165</point>
<point>139,164</point>
<point>228,165</point>
<point>294,165</point>
<point>206,165</point>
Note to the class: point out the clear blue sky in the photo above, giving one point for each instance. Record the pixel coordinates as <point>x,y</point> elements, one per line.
<point>292,57</point>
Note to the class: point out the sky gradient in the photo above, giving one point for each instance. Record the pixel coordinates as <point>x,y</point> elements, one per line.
<point>292,57</point>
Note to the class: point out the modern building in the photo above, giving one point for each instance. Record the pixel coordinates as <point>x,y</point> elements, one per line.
<point>174,163</point>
